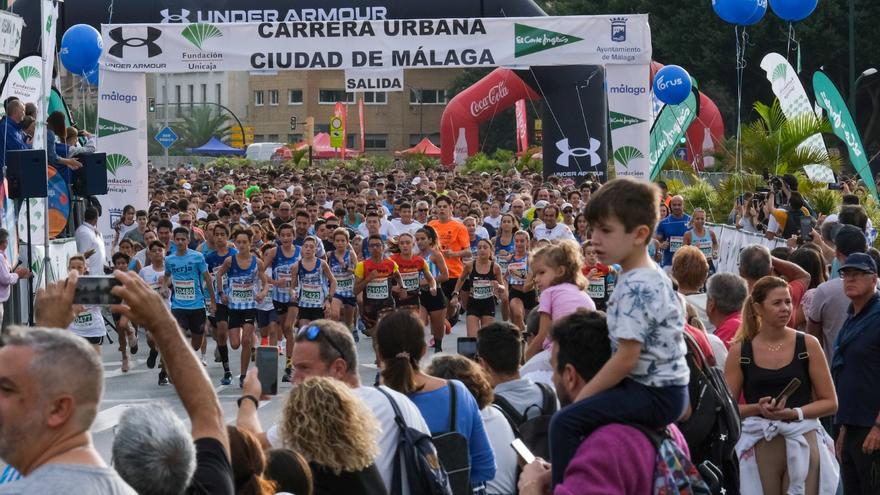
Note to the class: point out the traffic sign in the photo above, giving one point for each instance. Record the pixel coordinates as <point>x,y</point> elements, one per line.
<point>166,137</point>
<point>336,132</point>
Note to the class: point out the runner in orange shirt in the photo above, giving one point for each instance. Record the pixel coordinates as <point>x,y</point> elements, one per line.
<point>454,244</point>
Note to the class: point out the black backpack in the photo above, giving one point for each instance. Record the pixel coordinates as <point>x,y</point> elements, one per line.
<point>452,448</point>
<point>534,432</point>
<point>713,427</point>
<point>418,456</point>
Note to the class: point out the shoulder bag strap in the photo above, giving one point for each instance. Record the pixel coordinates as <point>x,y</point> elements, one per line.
<point>397,476</point>
<point>507,408</point>
<point>549,398</point>
<point>452,400</point>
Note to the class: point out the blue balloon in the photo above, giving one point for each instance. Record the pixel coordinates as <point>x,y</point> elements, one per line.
<point>793,10</point>
<point>736,11</point>
<point>758,14</point>
<point>80,48</point>
<point>672,85</point>
<point>92,75</point>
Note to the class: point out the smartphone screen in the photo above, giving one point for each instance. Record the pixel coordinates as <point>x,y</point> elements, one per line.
<point>95,291</point>
<point>267,366</point>
<point>806,227</point>
<point>524,453</point>
<point>789,389</point>
<point>467,347</point>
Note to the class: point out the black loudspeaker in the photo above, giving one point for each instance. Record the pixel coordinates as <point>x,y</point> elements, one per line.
<point>26,174</point>
<point>91,179</point>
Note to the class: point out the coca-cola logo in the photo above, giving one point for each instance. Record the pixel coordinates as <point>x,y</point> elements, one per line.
<point>492,98</point>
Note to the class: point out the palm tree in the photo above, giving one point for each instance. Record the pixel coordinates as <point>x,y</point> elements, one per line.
<point>200,124</point>
<point>772,144</point>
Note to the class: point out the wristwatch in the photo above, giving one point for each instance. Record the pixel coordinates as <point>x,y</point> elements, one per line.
<point>250,398</point>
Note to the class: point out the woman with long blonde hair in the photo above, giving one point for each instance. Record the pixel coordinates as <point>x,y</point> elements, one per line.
<point>782,444</point>
<point>326,423</point>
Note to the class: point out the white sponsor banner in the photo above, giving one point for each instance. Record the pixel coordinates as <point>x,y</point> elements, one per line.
<point>731,241</point>
<point>629,113</point>
<point>10,35</point>
<point>398,43</point>
<point>357,80</point>
<point>122,111</point>
<point>795,103</point>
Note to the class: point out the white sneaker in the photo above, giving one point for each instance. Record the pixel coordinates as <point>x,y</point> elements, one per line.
<point>204,361</point>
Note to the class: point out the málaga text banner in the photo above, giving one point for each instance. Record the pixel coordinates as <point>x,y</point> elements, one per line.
<point>397,43</point>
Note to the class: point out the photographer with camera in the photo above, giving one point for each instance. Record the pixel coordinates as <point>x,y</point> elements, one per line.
<point>790,218</point>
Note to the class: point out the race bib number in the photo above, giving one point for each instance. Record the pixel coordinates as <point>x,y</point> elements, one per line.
<point>185,290</point>
<point>706,248</point>
<point>345,283</point>
<point>310,295</point>
<point>410,281</point>
<point>503,264</point>
<point>675,243</point>
<point>241,293</point>
<point>517,273</point>
<point>84,320</point>
<point>596,289</point>
<point>378,289</point>
<point>283,273</point>
<point>482,289</point>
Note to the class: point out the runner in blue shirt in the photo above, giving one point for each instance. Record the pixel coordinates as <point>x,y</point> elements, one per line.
<point>281,259</point>
<point>670,230</point>
<point>185,270</point>
<point>239,293</point>
<point>219,318</point>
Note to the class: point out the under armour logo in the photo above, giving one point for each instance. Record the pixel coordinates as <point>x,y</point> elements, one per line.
<point>182,17</point>
<point>567,153</point>
<point>153,49</point>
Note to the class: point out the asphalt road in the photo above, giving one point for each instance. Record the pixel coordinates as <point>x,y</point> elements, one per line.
<point>139,386</point>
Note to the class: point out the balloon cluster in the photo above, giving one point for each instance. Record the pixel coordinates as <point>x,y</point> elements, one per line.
<point>749,12</point>
<point>81,48</point>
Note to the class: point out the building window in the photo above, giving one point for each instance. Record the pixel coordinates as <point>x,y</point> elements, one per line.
<point>428,97</point>
<point>259,138</point>
<point>371,141</point>
<point>374,98</point>
<point>294,138</point>
<point>177,94</point>
<point>273,138</point>
<point>218,88</point>
<point>204,93</point>
<point>415,139</point>
<point>191,92</point>
<point>331,96</point>
<point>295,97</point>
<point>259,97</point>
<point>273,97</point>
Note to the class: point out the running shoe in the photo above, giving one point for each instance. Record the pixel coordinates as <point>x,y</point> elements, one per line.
<point>151,359</point>
<point>287,374</point>
<point>204,360</point>
<point>357,337</point>
<point>227,379</point>
<point>163,378</point>
<point>133,340</point>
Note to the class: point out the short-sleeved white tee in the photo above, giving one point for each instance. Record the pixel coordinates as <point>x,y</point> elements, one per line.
<point>644,308</point>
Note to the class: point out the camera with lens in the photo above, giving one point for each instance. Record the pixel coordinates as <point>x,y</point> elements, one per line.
<point>775,182</point>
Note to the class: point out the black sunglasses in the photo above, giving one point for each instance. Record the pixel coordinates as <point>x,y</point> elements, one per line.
<point>312,332</point>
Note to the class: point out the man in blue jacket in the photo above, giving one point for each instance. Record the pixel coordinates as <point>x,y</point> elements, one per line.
<point>11,134</point>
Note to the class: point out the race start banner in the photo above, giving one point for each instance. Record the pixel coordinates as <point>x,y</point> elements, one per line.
<point>397,43</point>
<point>122,134</point>
<point>387,80</point>
<point>795,103</point>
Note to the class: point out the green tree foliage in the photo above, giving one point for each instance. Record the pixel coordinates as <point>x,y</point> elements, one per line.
<point>199,125</point>
<point>85,116</point>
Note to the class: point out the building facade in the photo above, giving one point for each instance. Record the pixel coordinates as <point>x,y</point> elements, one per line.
<point>393,120</point>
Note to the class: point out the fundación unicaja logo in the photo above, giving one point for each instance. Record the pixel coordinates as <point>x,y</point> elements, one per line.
<point>780,72</point>
<point>199,33</point>
<point>28,72</point>
<point>529,40</point>
<point>625,155</point>
<point>116,161</point>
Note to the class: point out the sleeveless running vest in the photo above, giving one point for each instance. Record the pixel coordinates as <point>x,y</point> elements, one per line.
<point>242,285</point>
<point>344,278</point>
<point>281,271</point>
<point>310,286</point>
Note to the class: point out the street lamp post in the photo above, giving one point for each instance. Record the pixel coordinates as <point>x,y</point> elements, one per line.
<point>855,89</point>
